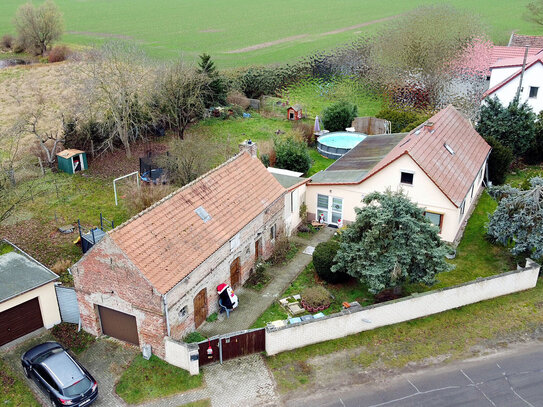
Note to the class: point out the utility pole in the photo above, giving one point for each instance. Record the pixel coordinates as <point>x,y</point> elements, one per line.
<point>522,74</point>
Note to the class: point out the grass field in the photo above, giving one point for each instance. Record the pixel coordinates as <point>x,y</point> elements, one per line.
<point>242,32</point>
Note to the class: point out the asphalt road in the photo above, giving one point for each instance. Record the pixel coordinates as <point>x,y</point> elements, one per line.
<point>508,380</point>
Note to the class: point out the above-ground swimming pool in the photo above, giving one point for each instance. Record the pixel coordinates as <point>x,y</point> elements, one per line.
<point>336,144</point>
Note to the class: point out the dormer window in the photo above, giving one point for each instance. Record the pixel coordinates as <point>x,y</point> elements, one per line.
<point>407,178</point>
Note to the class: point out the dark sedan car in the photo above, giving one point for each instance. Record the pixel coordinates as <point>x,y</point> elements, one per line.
<point>59,375</point>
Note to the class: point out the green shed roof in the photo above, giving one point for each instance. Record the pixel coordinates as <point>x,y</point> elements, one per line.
<point>287,181</point>
<point>20,273</point>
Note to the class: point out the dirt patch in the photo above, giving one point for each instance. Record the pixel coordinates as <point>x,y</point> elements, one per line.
<point>267,44</point>
<point>304,36</point>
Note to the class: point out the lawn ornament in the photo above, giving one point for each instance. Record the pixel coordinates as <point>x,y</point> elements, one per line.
<point>209,350</point>
<point>227,299</point>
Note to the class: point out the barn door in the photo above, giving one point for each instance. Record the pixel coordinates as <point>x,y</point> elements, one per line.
<point>200,308</point>
<point>235,271</point>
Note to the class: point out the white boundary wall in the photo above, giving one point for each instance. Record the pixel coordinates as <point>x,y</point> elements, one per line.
<point>183,355</point>
<point>358,319</point>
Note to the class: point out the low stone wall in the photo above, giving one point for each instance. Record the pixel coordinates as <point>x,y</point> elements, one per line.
<point>183,355</point>
<point>358,319</point>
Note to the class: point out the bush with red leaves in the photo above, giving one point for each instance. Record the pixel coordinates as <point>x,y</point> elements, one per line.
<point>58,54</point>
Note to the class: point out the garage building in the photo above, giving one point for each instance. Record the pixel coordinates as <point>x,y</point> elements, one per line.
<point>27,295</point>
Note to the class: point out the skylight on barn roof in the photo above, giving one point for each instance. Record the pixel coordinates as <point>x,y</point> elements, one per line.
<point>202,213</point>
<point>448,148</point>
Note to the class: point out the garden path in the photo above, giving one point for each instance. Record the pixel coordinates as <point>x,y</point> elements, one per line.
<point>254,303</point>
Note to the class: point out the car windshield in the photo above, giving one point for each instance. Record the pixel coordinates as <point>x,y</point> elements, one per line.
<point>78,388</point>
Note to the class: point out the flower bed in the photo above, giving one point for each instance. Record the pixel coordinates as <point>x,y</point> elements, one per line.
<point>309,308</point>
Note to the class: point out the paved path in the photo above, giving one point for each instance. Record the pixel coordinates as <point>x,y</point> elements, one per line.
<point>254,303</point>
<point>238,382</point>
<point>508,379</point>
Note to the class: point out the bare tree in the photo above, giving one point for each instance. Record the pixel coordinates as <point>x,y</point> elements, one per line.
<point>535,12</point>
<point>48,141</point>
<point>11,139</point>
<point>180,95</point>
<point>10,196</point>
<point>38,26</point>
<point>193,156</point>
<point>116,79</point>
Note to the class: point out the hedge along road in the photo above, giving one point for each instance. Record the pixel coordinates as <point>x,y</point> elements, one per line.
<point>275,31</point>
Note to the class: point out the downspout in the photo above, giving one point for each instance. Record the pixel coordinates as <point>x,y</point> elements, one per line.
<point>166,312</point>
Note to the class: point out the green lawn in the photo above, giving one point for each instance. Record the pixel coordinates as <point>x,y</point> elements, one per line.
<point>153,378</point>
<point>517,178</point>
<point>169,28</point>
<point>60,199</point>
<point>315,95</point>
<point>13,390</point>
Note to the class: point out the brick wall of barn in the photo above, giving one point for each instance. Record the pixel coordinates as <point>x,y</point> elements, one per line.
<point>106,277</point>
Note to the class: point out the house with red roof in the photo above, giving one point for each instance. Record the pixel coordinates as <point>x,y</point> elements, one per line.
<point>440,165</point>
<point>505,80</point>
<point>155,276</point>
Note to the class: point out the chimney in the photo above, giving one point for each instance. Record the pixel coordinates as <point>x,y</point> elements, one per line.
<point>429,126</point>
<point>248,146</point>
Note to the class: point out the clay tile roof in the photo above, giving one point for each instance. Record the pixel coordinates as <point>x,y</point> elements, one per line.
<point>518,40</point>
<point>169,240</point>
<point>510,56</point>
<point>454,173</point>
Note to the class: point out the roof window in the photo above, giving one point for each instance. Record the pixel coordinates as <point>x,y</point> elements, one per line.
<point>202,213</point>
<point>448,148</point>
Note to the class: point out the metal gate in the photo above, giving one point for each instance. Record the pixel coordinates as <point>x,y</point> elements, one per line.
<point>67,303</point>
<point>232,346</point>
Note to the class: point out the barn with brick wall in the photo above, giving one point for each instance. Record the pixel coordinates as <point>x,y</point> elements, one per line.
<point>156,275</point>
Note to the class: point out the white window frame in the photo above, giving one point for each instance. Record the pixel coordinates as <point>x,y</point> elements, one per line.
<point>407,172</point>
<point>330,209</point>
<point>234,242</point>
<point>273,232</point>
<point>536,92</point>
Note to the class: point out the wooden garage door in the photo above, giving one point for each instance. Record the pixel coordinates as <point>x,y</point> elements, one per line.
<point>119,325</point>
<point>20,320</point>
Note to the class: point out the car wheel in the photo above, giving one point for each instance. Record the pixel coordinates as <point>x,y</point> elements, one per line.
<point>52,403</point>
<point>27,371</point>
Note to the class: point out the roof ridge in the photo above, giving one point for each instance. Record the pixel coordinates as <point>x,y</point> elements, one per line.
<point>179,190</point>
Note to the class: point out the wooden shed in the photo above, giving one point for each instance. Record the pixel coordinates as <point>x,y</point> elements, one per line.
<point>294,112</point>
<point>72,160</point>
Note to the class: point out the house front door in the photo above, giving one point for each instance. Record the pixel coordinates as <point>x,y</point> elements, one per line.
<point>235,271</point>
<point>200,308</point>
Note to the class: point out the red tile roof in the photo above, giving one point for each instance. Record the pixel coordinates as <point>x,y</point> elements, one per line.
<point>169,240</point>
<point>454,173</point>
<point>501,53</point>
<point>531,61</point>
<point>518,40</point>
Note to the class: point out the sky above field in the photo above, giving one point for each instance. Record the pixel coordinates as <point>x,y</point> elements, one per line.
<point>243,32</point>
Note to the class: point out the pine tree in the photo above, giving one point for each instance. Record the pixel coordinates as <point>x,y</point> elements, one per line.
<point>391,242</point>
